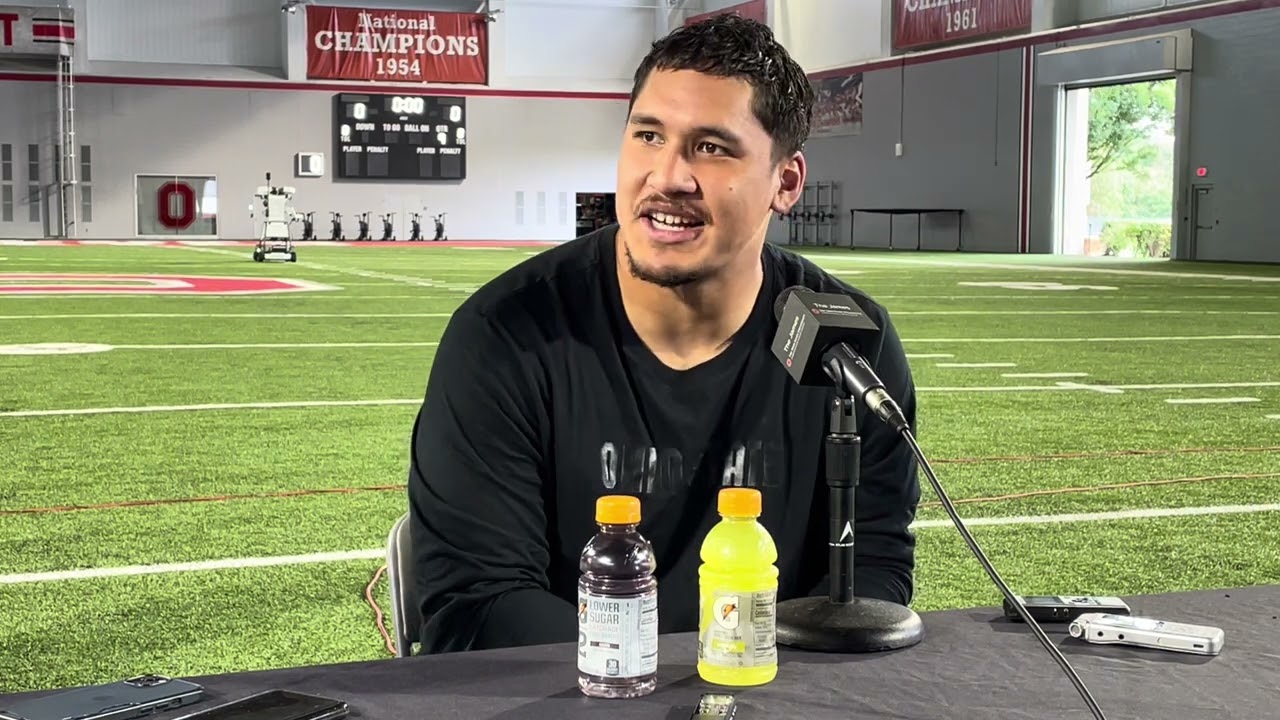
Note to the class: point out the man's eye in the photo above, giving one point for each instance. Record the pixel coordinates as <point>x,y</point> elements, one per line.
<point>710,148</point>
<point>647,136</point>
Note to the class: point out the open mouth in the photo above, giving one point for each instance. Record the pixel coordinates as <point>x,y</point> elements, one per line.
<point>673,223</point>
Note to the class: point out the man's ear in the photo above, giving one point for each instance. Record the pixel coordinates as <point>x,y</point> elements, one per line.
<point>791,174</point>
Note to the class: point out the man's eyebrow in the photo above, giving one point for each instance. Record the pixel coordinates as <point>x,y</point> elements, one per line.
<point>701,131</point>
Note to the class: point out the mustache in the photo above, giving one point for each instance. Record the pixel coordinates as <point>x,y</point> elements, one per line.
<point>672,207</point>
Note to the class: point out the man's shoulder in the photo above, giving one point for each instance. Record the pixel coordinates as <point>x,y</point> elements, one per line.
<point>539,287</point>
<point>791,268</point>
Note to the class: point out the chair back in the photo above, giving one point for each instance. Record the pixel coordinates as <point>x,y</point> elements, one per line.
<point>406,618</point>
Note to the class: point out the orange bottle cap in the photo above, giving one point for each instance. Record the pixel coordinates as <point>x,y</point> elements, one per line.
<point>740,502</point>
<point>618,510</point>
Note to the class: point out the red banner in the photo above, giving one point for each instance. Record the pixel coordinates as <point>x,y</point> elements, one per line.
<point>757,10</point>
<point>397,45</point>
<point>919,23</point>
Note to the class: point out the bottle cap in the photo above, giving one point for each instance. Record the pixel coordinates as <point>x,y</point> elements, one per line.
<point>618,510</point>
<point>740,502</point>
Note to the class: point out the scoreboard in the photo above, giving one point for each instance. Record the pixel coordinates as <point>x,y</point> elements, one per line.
<point>400,137</point>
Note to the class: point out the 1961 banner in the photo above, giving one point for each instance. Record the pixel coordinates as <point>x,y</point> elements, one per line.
<point>920,23</point>
<point>397,45</point>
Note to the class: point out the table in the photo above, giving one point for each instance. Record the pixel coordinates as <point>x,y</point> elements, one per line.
<point>972,665</point>
<point>918,212</point>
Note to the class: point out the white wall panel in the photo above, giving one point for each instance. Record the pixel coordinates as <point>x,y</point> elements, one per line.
<point>595,41</point>
<point>441,5</point>
<point>711,5</point>
<point>242,33</point>
<point>825,34</point>
<point>1100,9</point>
<point>514,145</point>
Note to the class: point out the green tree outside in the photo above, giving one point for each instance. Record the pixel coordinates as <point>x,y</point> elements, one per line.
<point>1131,165</point>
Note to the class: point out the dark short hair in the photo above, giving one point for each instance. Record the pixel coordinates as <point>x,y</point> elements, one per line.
<point>727,45</point>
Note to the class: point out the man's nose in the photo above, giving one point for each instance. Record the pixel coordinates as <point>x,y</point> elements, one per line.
<point>673,172</point>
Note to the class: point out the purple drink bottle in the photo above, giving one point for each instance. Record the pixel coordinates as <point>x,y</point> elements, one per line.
<point>617,605</point>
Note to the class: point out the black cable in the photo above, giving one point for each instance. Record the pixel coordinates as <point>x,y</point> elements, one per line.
<point>995,577</point>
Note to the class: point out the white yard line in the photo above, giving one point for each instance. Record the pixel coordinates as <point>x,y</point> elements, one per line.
<point>1198,386</point>
<point>1103,516</point>
<point>1069,386</point>
<point>1058,387</point>
<point>380,553</point>
<point>321,345</point>
<point>226,564</point>
<point>1273,417</point>
<point>1112,297</point>
<point>976,365</point>
<point>1210,401</point>
<point>1053,268</point>
<point>928,356</point>
<point>274,346</point>
<point>1045,375</point>
<point>121,316</point>
<point>1085,312</point>
<point>208,406</point>
<point>1151,338</point>
<point>1104,389</point>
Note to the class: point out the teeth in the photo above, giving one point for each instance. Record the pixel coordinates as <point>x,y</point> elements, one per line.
<point>672,220</point>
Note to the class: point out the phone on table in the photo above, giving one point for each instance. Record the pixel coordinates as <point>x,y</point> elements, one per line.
<point>275,705</point>
<point>715,706</point>
<point>1064,608</point>
<point>123,700</point>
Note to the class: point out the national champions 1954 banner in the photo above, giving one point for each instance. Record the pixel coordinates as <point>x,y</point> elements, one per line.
<point>924,23</point>
<point>37,30</point>
<point>397,45</point>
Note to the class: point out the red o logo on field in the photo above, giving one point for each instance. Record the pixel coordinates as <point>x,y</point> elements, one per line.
<point>99,284</point>
<point>165,197</point>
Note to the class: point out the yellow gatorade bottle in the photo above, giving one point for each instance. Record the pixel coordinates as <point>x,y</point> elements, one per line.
<point>737,599</point>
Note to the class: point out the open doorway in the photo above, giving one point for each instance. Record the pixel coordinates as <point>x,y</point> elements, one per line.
<point>595,210</point>
<point>1118,177</point>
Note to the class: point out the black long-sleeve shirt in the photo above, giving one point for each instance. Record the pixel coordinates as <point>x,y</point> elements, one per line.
<point>541,398</point>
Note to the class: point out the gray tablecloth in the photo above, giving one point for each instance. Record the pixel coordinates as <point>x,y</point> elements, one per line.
<point>972,665</point>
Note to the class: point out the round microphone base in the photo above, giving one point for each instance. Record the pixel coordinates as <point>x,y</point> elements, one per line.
<point>862,626</point>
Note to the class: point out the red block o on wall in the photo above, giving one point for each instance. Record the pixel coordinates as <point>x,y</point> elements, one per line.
<point>164,205</point>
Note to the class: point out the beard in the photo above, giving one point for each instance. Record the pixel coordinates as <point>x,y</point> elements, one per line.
<point>665,278</point>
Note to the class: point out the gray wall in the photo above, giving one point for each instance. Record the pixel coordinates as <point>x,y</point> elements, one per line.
<point>1234,110</point>
<point>958,121</point>
<point>515,146</point>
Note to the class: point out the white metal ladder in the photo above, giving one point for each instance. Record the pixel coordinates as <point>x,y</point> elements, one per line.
<point>68,163</point>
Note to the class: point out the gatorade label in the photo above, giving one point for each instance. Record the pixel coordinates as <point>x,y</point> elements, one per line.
<point>739,630</point>
<point>618,637</point>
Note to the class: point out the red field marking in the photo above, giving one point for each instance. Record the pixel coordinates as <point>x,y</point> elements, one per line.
<point>297,243</point>
<point>112,284</point>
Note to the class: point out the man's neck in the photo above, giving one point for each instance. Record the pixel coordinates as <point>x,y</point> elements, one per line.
<point>687,326</point>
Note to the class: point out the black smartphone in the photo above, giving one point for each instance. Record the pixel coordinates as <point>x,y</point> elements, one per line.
<point>715,706</point>
<point>1064,608</point>
<point>275,705</point>
<point>132,698</point>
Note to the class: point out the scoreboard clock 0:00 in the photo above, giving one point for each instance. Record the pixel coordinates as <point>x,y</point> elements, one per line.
<point>400,137</point>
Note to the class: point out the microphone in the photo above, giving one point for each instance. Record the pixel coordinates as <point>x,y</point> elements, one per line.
<point>816,341</point>
<point>820,320</point>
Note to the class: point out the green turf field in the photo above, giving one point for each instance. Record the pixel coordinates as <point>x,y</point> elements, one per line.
<point>1045,400</point>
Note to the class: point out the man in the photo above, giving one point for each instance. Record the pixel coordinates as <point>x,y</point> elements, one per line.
<point>636,360</point>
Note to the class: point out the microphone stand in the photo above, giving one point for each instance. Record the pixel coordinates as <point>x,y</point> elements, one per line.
<point>842,622</point>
